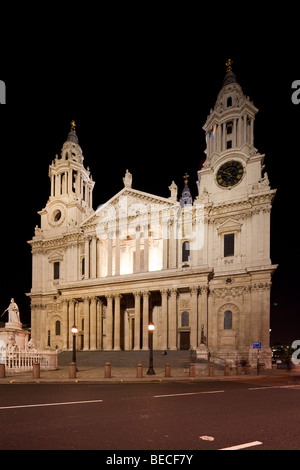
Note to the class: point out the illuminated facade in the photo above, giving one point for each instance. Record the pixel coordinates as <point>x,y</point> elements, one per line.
<point>200,270</point>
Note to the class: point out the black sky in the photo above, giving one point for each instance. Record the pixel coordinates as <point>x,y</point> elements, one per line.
<point>141,105</point>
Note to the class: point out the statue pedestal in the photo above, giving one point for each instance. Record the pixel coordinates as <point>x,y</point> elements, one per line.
<point>12,333</point>
<point>13,325</point>
<point>202,352</point>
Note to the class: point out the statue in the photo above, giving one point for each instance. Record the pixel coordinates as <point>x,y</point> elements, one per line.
<point>13,312</point>
<point>174,190</point>
<point>127,180</point>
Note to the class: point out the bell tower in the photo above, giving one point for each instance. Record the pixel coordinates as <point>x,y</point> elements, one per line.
<point>233,165</point>
<point>71,196</point>
<point>230,125</point>
<point>236,198</point>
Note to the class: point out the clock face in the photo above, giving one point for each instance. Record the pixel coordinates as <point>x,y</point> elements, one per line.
<point>230,173</point>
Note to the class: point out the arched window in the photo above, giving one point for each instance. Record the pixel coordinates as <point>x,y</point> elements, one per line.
<point>228,320</point>
<point>185,319</point>
<point>185,252</point>
<point>229,102</point>
<point>57,328</point>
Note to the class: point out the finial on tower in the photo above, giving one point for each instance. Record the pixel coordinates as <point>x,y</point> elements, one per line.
<point>229,65</point>
<point>186,176</point>
<point>72,134</point>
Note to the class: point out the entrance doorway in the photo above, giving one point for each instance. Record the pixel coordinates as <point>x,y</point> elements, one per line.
<point>184,340</point>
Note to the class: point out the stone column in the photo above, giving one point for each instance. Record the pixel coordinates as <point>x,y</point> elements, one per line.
<point>146,248</point>
<point>165,244</point>
<point>173,320</point>
<point>86,307</point>
<point>94,258</point>
<point>137,267</point>
<point>203,313</point>
<point>109,322</point>
<point>71,322</point>
<point>194,315</point>
<point>117,322</point>
<point>117,257</point>
<point>87,258</point>
<point>145,319</point>
<point>164,319</point>
<point>109,255</point>
<point>137,320</point>
<point>93,329</point>
<point>65,324</point>
<point>99,324</point>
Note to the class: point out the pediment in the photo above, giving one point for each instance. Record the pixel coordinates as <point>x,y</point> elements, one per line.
<point>130,203</point>
<point>229,225</point>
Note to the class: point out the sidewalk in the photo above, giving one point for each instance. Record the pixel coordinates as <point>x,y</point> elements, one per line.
<point>96,375</point>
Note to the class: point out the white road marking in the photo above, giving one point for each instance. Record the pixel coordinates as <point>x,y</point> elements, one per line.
<point>243,446</point>
<point>50,404</point>
<point>186,394</point>
<point>297,387</point>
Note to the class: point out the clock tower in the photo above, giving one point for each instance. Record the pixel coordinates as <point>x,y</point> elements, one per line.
<point>237,199</point>
<point>72,186</point>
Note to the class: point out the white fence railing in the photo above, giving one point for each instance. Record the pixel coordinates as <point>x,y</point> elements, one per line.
<point>24,360</point>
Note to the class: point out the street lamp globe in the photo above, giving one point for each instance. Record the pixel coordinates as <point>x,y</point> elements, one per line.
<point>74,330</point>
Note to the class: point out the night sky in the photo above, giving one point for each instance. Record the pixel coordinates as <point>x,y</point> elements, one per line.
<point>141,105</point>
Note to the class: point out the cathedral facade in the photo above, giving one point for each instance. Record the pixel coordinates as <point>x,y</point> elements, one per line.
<point>199,270</point>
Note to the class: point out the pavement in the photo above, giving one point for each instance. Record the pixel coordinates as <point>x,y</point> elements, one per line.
<point>124,369</point>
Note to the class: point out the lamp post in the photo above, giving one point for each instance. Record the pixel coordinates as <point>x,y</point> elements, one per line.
<point>74,331</point>
<point>151,329</point>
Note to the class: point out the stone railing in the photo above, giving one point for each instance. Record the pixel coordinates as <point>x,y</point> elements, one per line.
<point>24,360</point>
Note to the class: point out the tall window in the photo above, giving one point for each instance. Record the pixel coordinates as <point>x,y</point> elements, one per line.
<point>57,328</point>
<point>56,270</point>
<point>228,320</point>
<point>185,319</point>
<point>229,244</point>
<point>186,251</point>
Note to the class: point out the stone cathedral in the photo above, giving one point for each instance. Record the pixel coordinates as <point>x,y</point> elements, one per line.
<point>199,270</point>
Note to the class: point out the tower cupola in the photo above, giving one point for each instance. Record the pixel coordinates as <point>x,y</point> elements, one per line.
<point>186,197</point>
<point>230,124</point>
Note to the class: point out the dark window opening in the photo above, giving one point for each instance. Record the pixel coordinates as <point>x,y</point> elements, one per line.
<point>228,320</point>
<point>229,102</point>
<point>56,270</point>
<point>186,252</point>
<point>185,319</point>
<point>57,328</point>
<point>229,244</point>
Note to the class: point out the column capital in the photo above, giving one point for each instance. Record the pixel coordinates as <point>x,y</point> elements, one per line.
<point>174,292</point>
<point>146,293</point>
<point>137,294</point>
<point>194,290</point>
<point>164,292</point>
